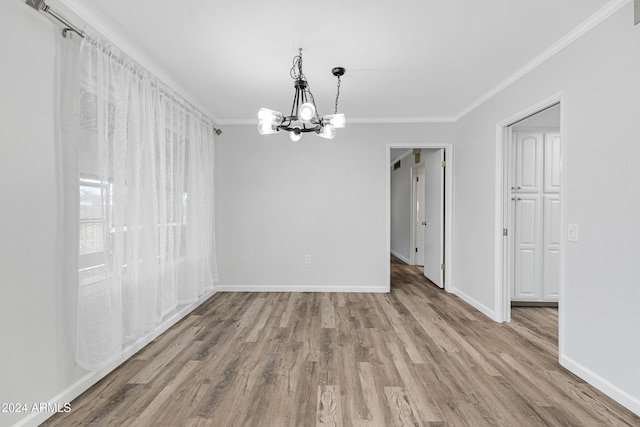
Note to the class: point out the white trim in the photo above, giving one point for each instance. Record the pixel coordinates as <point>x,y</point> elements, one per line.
<point>563,220</point>
<point>502,313</point>
<point>387,225</point>
<point>354,120</point>
<point>413,169</point>
<point>401,120</point>
<point>400,256</point>
<point>303,288</point>
<point>91,378</point>
<point>449,277</point>
<point>239,122</point>
<point>622,397</point>
<point>476,304</point>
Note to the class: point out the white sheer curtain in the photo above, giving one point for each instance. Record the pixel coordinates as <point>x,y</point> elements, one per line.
<point>144,169</point>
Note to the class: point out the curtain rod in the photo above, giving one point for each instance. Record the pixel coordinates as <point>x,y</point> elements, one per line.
<point>40,5</point>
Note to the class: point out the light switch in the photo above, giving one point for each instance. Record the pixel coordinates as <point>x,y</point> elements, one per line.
<point>573,232</point>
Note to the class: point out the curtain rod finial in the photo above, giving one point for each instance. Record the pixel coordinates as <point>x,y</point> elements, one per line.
<point>36,4</point>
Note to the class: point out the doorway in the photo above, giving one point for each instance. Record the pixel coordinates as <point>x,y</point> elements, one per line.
<point>418,205</point>
<point>534,208</point>
<point>530,189</point>
<point>414,239</point>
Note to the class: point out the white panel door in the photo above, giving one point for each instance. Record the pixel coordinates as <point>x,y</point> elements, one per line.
<point>418,197</point>
<point>527,247</point>
<point>552,232</point>
<point>528,161</point>
<point>434,216</point>
<point>552,162</point>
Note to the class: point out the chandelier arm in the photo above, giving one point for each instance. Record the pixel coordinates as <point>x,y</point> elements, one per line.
<point>299,101</point>
<point>301,130</point>
<point>294,105</point>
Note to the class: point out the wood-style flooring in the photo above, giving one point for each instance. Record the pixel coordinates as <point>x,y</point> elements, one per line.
<point>417,356</point>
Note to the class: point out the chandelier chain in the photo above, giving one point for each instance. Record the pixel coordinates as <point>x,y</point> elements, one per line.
<point>296,69</point>
<point>337,96</point>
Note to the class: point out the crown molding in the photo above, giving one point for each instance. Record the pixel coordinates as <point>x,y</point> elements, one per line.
<point>113,36</point>
<point>400,120</point>
<point>608,10</point>
<point>107,31</point>
<point>357,120</point>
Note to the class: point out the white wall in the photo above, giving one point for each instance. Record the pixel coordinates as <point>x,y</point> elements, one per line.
<point>277,202</point>
<point>401,198</point>
<point>37,310</point>
<point>36,356</point>
<point>599,315</point>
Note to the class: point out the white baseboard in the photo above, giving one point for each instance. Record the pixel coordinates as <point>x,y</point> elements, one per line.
<point>303,288</point>
<point>91,378</point>
<point>622,397</point>
<point>397,254</point>
<point>474,303</point>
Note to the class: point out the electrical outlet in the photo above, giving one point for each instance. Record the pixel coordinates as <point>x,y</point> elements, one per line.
<point>307,259</point>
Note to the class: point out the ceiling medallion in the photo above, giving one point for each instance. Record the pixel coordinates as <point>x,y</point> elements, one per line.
<point>304,115</point>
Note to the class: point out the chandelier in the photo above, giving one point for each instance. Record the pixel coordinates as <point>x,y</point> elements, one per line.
<point>304,117</point>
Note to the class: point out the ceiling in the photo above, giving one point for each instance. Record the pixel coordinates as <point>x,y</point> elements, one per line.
<point>406,60</point>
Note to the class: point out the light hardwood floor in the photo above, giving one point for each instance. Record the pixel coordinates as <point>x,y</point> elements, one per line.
<point>414,357</point>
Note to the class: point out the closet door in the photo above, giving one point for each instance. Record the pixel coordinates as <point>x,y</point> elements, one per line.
<point>552,162</point>
<point>528,215</point>
<point>528,166</point>
<point>527,269</point>
<point>536,194</point>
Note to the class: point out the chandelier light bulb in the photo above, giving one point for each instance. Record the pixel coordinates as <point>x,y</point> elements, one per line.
<point>295,135</point>
<point>266,127</point>
<point>328,132</point>
<point>267,115</point>
<point>335,120</point>
<point>306,112</point>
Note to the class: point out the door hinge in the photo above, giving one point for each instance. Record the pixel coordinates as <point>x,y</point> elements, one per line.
<point>417,178</point>
<point>444,163</point>
<point>416,249</point>
<point>505,232</point>
<point>443,267</point>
